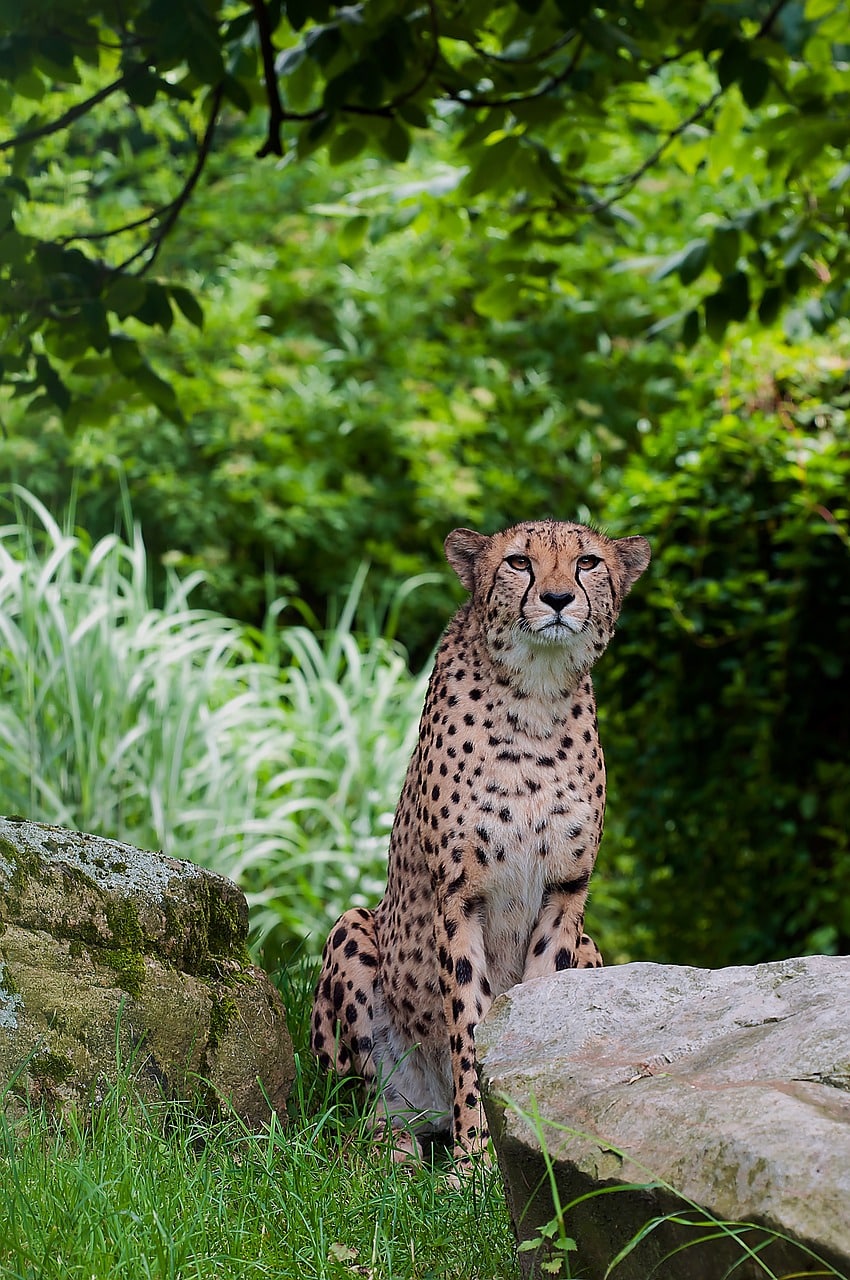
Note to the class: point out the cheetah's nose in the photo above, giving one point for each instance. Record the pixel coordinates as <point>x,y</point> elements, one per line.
<point>558,600</point>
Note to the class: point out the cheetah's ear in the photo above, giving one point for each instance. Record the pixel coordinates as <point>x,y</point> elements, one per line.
<point>463,546</point>
<point>633,554</point>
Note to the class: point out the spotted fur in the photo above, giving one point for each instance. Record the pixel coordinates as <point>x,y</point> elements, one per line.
<point>496,831</point>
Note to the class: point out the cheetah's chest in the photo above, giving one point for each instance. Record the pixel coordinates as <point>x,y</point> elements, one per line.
<point>532,841</point>
<point>535,789</point>
<point>530,815</point>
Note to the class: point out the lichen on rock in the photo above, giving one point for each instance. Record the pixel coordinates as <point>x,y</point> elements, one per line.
<point>10,1003</point>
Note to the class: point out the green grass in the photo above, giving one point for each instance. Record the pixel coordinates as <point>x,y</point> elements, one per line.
<point>150,1191</point>
<point>273,757</point>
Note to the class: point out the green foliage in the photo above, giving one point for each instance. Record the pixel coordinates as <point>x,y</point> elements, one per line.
<point>559,117</point>
<point>347,401</point>
<point>726,697</point>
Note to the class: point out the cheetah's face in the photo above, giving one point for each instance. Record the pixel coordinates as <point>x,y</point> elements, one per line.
<point>547,585</point>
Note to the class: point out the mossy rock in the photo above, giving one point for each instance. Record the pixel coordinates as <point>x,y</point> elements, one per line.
<point>113,960</point>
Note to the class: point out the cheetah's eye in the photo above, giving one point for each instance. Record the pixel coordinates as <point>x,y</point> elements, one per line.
<point>587,562</point>
<point>518,562</point>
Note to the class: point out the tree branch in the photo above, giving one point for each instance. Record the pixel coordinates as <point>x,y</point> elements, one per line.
<point>279,115</point>
<point>272,145</point>
<point>526,59</point>
<point>627,183</point>
<point>171,212</point>
<point>71,115</point>
<point>518,99</point>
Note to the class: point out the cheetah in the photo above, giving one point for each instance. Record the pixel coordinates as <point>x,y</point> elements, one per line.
<point>496,831</point>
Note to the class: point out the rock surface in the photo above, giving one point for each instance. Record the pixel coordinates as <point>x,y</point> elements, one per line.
<point>731,1086</point>
<point>113,957</point>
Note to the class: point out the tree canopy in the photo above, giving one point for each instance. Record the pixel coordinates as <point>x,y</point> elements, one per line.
<point>564,120</point>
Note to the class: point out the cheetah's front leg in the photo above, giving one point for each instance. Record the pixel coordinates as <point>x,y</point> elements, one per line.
<point>558,940</point>
<point>467,996</point>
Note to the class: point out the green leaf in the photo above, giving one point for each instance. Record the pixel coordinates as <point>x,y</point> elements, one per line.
<point>299,84</point>
<point>492,167</point>
<point>391,49</point>
<point>55,55</point>
<point>353,233</point>
<point>125,354</point>
<point>499,301</point>
<point>124,295</point>
<point>809,241</point>
<point>688,262</point>
<point>575,10</point>
<point>21,188</point>
<point>52,383</point>
<point>754,81</point>
<point>239,26</point>
<point>716,316</point>
<point>693,261</point>
<point>141,85</point>
<point>188,304</point>
<point>93,324</point>
<point>770,303</point>
<point>414,115</point>
<point>14,248</point>
<point>396,142</point>
<point>236,92</point>
<point>840,178</point>
<point>322,44</point>
<point>205,60</point>
<point>691,329</point>
<point>342,88</point>
<point>313,134</point>
<point>297,12</point>
<point>159,392</point>
<point>156,307</point>
<point>731,302</point>
<point>732,63</point>
<point>346,145</point>
<point>725,248</point>
<point>736,289</point>
<point>30,85</point>
<point>609,38</point>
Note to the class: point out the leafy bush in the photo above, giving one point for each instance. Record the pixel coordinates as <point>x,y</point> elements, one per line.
<point>726,698</point>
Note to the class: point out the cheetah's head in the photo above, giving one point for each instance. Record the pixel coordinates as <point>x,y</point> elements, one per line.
<point>547,593</point>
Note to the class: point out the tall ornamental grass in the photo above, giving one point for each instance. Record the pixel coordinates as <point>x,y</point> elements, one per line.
<point>274,757</point>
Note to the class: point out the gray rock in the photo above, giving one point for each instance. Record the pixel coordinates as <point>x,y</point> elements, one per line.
<point>111,957</point>
<point>730,1086</point>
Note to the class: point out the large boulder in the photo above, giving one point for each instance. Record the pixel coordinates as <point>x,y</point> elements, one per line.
<point>113,960</point>
<point>730,1088</point>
